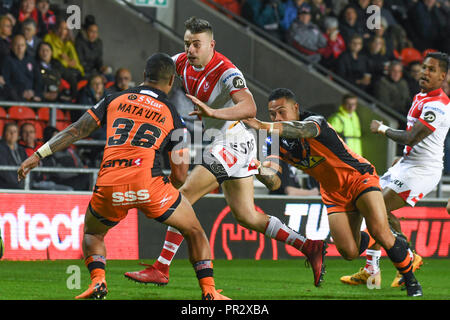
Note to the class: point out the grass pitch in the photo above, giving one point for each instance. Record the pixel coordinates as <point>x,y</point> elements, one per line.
<point>240,280</point>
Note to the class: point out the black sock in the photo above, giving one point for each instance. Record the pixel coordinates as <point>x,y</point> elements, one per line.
<point>364,243</point>
<point>399,255</point>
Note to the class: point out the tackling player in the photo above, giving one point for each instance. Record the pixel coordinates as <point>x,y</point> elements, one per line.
<point>141,124</point>
<point>218,87</point>
<point>419,170</point>
<point>349,185</point>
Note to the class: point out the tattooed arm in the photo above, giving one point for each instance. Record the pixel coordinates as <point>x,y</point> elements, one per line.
<point>408,137</point>
<point>287,129</point>
<point>76,131</point>
<point>268,175</point>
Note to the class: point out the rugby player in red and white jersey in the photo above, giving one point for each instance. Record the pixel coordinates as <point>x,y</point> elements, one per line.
<point>419,170</point>
<point>212,81</point>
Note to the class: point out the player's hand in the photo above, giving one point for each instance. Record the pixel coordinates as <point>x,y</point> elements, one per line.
<point>202,109</point>
<point>374,125</point>
<point>27,165</point>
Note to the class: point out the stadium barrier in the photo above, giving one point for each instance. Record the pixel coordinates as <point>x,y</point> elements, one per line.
<point>49,225</point>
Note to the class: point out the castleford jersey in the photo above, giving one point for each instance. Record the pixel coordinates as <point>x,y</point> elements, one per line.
<point>433,110</point>
<point>326,157</point>
<point>141,124</point>
<point>214,84</point>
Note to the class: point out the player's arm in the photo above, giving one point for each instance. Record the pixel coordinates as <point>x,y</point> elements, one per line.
<point>269,175</point>
<point>244,107</point>
<point>82,128</point>
<point>418,132</point>
<point>179,165</point>
<point>287,129</point>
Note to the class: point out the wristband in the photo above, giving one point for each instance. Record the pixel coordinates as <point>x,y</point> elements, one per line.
<point>44,151</point>
<point>382,129</point>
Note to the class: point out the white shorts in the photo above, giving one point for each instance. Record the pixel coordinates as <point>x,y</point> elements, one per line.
<point>232,155</point>
<point>410,181</point>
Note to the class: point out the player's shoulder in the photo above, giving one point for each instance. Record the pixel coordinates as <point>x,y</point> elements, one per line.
<point>311,116</point>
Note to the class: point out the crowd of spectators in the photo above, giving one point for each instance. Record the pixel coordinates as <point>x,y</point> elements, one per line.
<point>345,37</point>
<point>43,60</point>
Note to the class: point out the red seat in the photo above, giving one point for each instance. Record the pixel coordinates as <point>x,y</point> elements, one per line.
<point>38,126</point>
<point>81,84</point>
<point>427,51</point>
<point>3,114</point>
<point>44,114</point>
<point>408,55</point>
<point>21,113</point>
<point>61,125</point>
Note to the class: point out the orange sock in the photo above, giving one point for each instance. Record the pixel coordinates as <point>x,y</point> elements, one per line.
<point>97,273</point>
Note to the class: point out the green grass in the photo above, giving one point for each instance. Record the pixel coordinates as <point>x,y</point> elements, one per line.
<point>240,280</point>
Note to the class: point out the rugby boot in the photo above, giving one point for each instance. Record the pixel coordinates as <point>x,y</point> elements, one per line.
<point>149,275</point>
<point>213,294</point>
<point>361,277</point>
<point>97,290</point>
<point>315,251</point>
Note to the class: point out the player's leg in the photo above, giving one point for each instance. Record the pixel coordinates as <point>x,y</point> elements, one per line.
<point>239,194</point>
<point>198,183</point>
<point>345,231</point>
<point>371,206</point>
<point>93,245</point>
<point>184,220</point>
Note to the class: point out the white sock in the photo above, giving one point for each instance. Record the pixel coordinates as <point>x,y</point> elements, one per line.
<point>372,261</point>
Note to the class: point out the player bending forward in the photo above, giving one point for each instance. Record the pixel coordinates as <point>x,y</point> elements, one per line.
<point>141,124</point>
<point>349,184</point>
<point>419,170</point>
<point>214,84</point>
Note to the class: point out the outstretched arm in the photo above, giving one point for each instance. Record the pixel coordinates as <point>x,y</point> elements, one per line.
<point>287,129</point>
<point>268,175</point>
<point>244,107</point>
<point>408,137</point>
<point>76,131</point>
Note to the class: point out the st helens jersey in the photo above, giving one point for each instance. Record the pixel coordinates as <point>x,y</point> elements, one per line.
<point>214,84</point>
<point>141,124</point>
<point>326,157</point>
<point>433,110</point>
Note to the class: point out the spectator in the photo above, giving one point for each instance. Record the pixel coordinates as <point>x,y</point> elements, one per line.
<point>385,13</point>
<point>393,90</point>
<point>250,10</point>
<point>354,66</point>
<point>22,78</point>
<point>12,155</point>
<point>27,10</point>
<point>426,25</point>
<point>349,25</point>
<point>347,124</point>
<point>270,17</point>
<point>90,95</point>
<point>336,6</point>
<point>363,16</point>
<point>304,35</point>
<point>64,49</point>
<point>67,158</point>
<point>53,72</point>
<point>385,32</point>
<point>122,81</point>
<point>290,184</point>
<point>290,13</point>
<point>318,11</point>
<point>47,18</point>
<point>412,77</point>
<point>90,48</point>
<point>29,30</point>
<point>335,43</point>
<point>378,58</point>
<point>6,26</point>
<point>28,138</point>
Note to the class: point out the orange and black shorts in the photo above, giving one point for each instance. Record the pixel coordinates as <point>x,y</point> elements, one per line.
<point>156,198</point>
<point>344,200</point>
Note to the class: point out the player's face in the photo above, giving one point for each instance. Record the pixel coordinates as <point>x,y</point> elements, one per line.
<point>283,110</point>
<point>199,48</point>
<point>432,76</point>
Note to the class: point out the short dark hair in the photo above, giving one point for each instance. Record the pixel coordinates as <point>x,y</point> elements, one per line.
<point>159,68</point>
<point>196,25</point>
<point>279,93</point>
<point>348,96</point>
<point>442,57</point>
